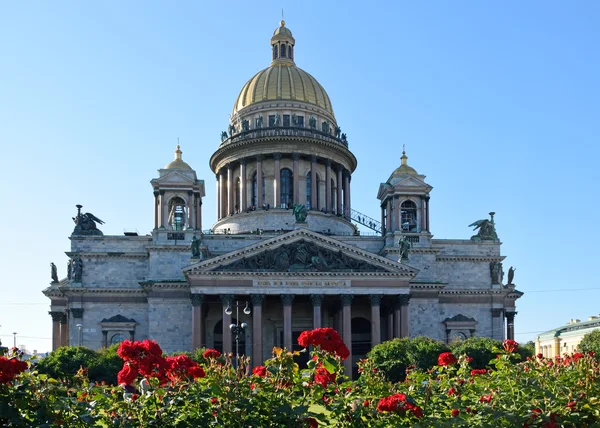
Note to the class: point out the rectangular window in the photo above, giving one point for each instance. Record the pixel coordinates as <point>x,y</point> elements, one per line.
<point>286,120</point>
<point>300,121</point>
<point>271,120</point>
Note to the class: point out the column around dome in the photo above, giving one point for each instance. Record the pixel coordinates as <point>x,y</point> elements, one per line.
<point>243,196</point>
<point>328,185</point>
<point>313,183</point>
<point>296,178</point>
<point>230,189</point>
<point>259,181</point>
<point>339,190</point>
<point>276,181</point>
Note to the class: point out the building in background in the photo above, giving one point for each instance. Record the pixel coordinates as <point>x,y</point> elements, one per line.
<point>565,339</point>
<point>285,254</point>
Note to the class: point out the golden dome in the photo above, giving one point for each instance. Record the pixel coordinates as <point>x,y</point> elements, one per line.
<point>403,169</point>
<point>282,80</point>
<point>177,163</point>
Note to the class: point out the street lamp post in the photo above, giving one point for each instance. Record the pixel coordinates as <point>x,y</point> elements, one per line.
<point>80,334</point>
<point>238,328</point>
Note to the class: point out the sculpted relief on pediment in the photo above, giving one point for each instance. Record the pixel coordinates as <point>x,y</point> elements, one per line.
<point>300,256</point>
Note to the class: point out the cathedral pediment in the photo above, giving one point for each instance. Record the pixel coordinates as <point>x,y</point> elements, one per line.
<point>301,251</point>
<point>176,177</point>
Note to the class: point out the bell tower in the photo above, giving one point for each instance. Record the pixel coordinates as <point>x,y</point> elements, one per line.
<point>404,201</point>
<point>177,198</point>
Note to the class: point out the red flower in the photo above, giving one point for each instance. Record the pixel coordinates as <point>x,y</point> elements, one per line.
<point>127,375</point>
<point>214,400</point>
<point>396,402</point>
<point>577,356</point>
<point>540,355</point>
<point>469,359</point>
<point>366,403</point>
<point>591,353</point>
<point>455,412</point>
<point>447,359</point>
<point>476,372</point>
<point>323,377</point>
<point>486,398</point>
<point>11,368</point>
<point>510,345</point>
<point>211,353</point>
<point>571,404</point>
<point>181,367</point>
<point>452,391</point>
<point>327,339</point>
<point>311,423</point>
<point>259,371</point>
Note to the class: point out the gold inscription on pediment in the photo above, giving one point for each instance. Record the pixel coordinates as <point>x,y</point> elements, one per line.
<point>306,283</point>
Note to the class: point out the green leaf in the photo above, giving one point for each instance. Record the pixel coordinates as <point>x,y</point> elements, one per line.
<point>329,364</point>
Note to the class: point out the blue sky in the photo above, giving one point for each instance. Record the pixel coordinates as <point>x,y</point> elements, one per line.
<point>497,103</point>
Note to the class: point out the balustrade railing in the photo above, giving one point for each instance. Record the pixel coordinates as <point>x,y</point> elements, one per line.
<point>284,131</point>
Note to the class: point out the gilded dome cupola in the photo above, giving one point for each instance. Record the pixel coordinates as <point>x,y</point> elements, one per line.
<point>282,44</point>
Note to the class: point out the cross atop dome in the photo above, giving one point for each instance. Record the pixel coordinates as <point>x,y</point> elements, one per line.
<point>282,44</point>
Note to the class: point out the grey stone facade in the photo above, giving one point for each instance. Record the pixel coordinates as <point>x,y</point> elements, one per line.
<point>295,276</point>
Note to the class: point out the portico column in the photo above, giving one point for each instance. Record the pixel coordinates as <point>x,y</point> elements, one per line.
<point>510,324</point>
<point>317,301</point>
<point>389,218</point>
<point>347,330</point>
<point>313,183</point>
<point>218,197</point>
<point>163,209</point>
<point>390,324</point>
<point>422,226</point>
<point>226,300</point>
<point>382,221</point>
<point>56,315</point>
<point>347,195</point>
<point>276,181</point>
<point>398,317</point>
<point>397,210</point>
<point>243,196</point>
<point>190,208</point>
<point>296,178</point>
<point>198,212</point>
<point>287,300</point>
<point>64,330</point>
<point>427,213</point>
<point>257,356</point>
<point>339,190</point>
<point>404,316</point>
<point>328,206</point>
<point>197,320</point>
<point>156,209</point>
<point>230,190</point>
<point>259,181</point>
<point>375,319</point>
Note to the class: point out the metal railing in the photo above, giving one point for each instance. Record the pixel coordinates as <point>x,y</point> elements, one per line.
<point>283,131</point>
<point>363,219</point>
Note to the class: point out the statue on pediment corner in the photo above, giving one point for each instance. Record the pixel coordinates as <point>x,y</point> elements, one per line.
<point>487,229</point>
<point>85,224</point>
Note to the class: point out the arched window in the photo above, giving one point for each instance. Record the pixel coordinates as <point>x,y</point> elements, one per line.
<point>408,212</point>
<point>287,187</point>
<point>274,51</point>
<point>255,190</point>
<point>290,52</point>
<point>282,51</point>
<point>237,195</point>
<point>117,338</point>
<point>177,213</point>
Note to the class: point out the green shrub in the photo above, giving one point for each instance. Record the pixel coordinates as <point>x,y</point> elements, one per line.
<point>66,361</point>
<point>590,343</point>
<point>106,365</point>
<point>481,349</point>
<point>423,352</point>
<point>391,358</point>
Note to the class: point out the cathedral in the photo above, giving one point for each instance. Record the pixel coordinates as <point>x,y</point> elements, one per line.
<point>285,253</point>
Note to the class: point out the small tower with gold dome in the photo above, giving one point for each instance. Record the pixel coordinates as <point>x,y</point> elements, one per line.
<point>177,197</point>
<point>404,200</point>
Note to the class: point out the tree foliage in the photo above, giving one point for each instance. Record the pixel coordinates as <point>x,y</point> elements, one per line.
<point>590,343</point>
<point>481,349</point>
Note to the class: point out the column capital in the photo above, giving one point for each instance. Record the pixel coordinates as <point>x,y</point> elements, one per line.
<point>347,299</point>
<point>402,299</point>
<point>76,312</point>
<point>63,318</point>
<point>317,299</point>
<point>313,158</point>
<point>376,299</point>
<point>217,176</point>
<point>510,314</point>
<point>56,315</point>
<point>259,158</point>
<point>277,156</point>
<point>257,299</point>
<point>243,161</point>
<point>197,299</point>
<point>226,299</point>
<point>162,192</point>
<point>156,193</point>
<point>230,166</point>
<point>287,299</point>
<point>296,156</point>
<point>497,312</point>
<point>328,163</point>
<point>190,192</point>
<point>339,167</point>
